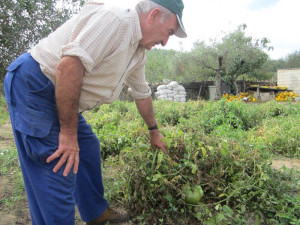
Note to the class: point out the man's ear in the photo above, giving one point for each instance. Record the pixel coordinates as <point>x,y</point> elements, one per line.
<point>154,15</point>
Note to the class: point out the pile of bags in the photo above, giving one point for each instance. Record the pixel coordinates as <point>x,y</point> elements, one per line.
<point>172,91</point>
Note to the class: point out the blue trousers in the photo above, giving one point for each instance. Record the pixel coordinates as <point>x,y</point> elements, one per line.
<point>30,98</point>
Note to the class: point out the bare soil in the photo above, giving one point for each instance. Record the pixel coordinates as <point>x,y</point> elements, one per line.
<point>18,213</point>
<point>279,164</point>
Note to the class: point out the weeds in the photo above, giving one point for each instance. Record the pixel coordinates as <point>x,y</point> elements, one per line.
<point>3,111</point>
<point>10,168</point>
<point>213,144</point>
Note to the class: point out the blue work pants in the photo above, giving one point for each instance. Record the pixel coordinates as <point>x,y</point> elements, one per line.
<point>30,97</point>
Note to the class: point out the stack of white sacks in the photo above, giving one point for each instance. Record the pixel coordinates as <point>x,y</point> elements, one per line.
<point>172,91</point>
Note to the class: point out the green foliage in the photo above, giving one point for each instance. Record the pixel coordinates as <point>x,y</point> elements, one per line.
<point>213,144</point>
<point>157,183</point>
<point>234,55</point>
<point>10,168</point>
<point>8,160</point>
<point>119,125</point>
<point>224,147</point>
<point>9,165</point>
<point>158,65</point>
<point>293,60</point>
<point>242,56</point>
<point>185,69</point>
<point>246,55</point>
<point>281,135</point>
<point>23,23</point>
<point>170,113</point>
<point>3,110</point>
<point>111,124</point>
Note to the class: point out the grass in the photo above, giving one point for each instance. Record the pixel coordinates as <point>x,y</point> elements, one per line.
<point>10,169</point>
<point>3,111</point>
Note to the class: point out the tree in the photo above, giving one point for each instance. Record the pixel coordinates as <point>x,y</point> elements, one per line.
<point>268,71</point>
<point>293,60</point>
<point>244,55</point>
<point>158,65</point>
<point>234,55</point>
<point>186,69</point>
<point>211,59</point>
<point>24,22</point>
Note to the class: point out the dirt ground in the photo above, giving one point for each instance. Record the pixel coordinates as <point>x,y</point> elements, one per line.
<point>288,163</point>
<point>19,213</point>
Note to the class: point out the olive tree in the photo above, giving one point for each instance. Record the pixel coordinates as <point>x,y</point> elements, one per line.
<point>24,22</point>
<point>234,55</point>
<point>211,59</point>
<point>245,55</point>
<point>293,60</point>
<point>158,65</point>
<point>269,69</point>
<point>186,70</point>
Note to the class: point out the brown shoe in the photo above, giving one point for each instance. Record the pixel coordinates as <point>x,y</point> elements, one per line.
<point>110,215</point>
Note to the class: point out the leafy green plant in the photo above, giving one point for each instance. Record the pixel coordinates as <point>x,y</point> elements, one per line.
<point>223,147</point>
<point>156,182</point>
<point>280,135</point>
<point>212,144</point>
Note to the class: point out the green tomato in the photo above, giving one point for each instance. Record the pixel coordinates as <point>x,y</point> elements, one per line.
<point>200,190</point>
<point>192,197</point>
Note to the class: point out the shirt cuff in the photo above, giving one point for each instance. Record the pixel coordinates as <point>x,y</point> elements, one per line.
<point>139,95</point>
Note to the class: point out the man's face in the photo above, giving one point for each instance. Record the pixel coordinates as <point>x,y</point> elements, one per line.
<point>159,33</point>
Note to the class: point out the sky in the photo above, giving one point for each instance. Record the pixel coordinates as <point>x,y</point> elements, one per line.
<point>277,20</point>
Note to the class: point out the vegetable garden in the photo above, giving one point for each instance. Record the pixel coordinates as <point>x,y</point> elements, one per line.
<point>218,170</point>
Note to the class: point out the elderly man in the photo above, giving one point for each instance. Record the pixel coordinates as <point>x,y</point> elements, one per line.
<point>84,63</point>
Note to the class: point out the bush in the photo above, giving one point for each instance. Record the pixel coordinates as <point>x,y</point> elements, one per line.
<point>169,113</point>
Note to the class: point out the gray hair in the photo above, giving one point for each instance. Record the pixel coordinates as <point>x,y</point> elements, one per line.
<point>145,6</point>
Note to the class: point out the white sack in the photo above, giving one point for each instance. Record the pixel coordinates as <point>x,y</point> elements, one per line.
<point>164,91</point>
<point>161,87</point>
<point>174,84</point>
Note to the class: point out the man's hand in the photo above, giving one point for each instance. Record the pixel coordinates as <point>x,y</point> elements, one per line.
<point>68,150</point>
<point>145,108</point>
<point>69,79</point>
<point>156,140</point>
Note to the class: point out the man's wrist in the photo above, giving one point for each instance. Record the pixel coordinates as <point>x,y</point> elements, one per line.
<point>155,127</point>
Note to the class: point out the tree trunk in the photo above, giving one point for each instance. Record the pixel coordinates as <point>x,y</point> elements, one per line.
<point>236,86</point>
<point>219,79</point>
<point>200,89</point>
<point>218,84</point>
